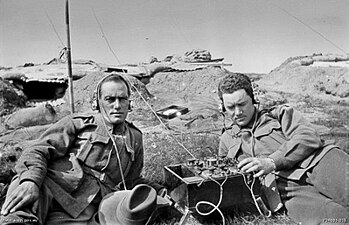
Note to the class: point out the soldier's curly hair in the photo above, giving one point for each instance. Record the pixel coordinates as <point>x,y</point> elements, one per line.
<point>233,82</point>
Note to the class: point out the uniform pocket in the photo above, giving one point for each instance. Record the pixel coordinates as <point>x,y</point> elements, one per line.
<point>271,131</point>
<point>85,147</point>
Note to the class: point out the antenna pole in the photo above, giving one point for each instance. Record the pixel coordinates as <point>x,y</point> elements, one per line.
<point>68,52</point>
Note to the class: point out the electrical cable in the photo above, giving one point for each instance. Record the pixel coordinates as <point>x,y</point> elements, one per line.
<point>215,207</point>
<point>311,28</point>
<point>162,123</point>
<point>135,88</point>
<point>253,155</point>
<point>116,150</point>
<point>120,166</point>
<point>104,36</point>
<point>54,28</point>
<point>251,191</point>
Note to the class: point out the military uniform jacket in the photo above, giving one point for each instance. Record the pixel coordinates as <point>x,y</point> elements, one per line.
<point>280,133</point>
<point>76,159</point>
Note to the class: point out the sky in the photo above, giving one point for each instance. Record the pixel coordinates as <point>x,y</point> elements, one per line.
<point>252,35</point>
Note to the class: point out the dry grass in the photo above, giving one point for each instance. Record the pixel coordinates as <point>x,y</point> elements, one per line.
<point>330,114</point>
<point>280,219</point>
<point>164,149</point>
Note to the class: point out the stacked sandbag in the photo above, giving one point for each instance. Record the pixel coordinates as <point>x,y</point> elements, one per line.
<point>197,55</point>
<point>33,116</point>
<point>309,60</point>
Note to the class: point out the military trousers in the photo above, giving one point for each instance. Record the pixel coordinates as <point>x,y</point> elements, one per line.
<point>321,196</point>
<point>48,212</point>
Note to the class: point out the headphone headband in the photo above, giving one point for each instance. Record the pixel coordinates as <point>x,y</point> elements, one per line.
<point>96,92</point>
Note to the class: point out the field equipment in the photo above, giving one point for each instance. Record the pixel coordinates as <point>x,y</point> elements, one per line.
<point>204,186</point>
<point>172,111</point>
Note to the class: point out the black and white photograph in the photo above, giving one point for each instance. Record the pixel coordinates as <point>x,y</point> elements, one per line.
<point>197,112</point>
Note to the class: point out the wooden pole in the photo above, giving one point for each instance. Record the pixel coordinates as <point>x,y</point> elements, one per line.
<point>70,74</point>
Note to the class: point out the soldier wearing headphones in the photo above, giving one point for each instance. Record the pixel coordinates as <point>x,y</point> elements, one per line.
<point>62,177</point>
<point>278,144</point>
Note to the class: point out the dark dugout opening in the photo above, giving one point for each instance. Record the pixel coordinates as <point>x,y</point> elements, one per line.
<point>43,90</point>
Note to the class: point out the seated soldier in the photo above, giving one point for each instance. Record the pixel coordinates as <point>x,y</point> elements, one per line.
<point>311,175</point>
<point>62,177</point>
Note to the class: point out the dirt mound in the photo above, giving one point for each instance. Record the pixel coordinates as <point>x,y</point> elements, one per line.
<point>181,86</point>
<point>310,80</point>
<point>196,90</point>
<point>313,78</point>
<point>11,98</point>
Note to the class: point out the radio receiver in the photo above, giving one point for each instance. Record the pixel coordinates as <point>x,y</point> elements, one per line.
<point>214,180</point>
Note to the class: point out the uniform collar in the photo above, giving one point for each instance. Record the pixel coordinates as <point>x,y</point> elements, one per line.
<point>127,133</point>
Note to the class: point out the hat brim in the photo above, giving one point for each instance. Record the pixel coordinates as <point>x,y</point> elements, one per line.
<point>110,202</point>
<point>108,206</point>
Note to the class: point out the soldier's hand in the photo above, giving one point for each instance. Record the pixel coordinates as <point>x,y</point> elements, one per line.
<point>260,166</point>
<point>26,193</point>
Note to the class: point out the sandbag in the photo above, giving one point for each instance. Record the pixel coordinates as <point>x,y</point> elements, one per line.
<point>197,55</point>
<point>39,115</point>
<point>306,61</point>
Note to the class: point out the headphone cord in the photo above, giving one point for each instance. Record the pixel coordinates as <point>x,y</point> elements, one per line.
<point>215,207</point>
<point>252,194</point>
<point>162,123</point>
<point>253,155</point>
<point>116,151</point>
<point>252,152</point>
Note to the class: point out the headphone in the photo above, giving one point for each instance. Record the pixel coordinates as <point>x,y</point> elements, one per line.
<point>95,95</point>
<point>221,106</point>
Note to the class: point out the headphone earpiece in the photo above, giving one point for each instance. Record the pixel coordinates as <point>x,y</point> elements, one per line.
<point>221,106</point>
<point>94,103</point>
<point>130,105</point>
<point>256,101</point>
